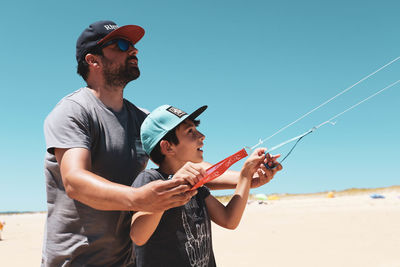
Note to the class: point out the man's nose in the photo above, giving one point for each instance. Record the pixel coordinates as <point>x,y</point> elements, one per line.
<point>132,50</point>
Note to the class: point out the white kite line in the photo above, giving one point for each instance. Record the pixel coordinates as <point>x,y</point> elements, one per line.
<point>326,102</point>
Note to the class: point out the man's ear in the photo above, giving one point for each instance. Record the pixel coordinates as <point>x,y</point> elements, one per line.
<point>92,60</point>
<point>166,148</point>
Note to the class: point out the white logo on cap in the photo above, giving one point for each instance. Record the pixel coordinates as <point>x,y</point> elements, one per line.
<point>176,111</point>
<point>110,27</point>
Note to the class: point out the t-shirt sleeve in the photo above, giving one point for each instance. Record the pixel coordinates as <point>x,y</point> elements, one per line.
<point>203,192</point>
<point>146,177</point>
<point>67,126</point>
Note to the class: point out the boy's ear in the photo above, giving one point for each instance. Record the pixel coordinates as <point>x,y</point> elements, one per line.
<point>166,148</point>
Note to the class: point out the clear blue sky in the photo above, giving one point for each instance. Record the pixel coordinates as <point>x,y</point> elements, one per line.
<point>259,65</point>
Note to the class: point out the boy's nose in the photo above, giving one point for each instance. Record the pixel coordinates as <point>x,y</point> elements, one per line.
<point>202,136</point>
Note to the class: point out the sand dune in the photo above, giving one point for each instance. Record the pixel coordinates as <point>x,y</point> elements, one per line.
<point>309,230</point>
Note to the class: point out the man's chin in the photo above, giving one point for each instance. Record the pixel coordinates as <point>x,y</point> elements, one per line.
<point>135,73</point>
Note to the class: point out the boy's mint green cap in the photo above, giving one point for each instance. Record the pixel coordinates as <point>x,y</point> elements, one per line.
<point>160,121</point>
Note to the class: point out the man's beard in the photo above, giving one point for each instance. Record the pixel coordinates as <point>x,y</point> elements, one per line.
<point>121,75</point>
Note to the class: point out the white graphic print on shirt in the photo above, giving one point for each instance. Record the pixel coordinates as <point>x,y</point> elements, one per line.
<point>197,249</point>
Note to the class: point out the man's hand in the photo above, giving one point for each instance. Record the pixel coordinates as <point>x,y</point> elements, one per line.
<point>266,175</point>
<point>161,195</point>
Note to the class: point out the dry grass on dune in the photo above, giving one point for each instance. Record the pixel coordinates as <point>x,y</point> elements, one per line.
<point>346,192</point>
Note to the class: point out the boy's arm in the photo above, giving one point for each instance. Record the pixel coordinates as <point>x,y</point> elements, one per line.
<point>229,216</point>
<point>143,226</point>
<point>229,179</point>
<point>145,223</point>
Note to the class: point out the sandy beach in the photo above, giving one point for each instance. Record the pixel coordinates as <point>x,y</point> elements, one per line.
<point>306,230</point>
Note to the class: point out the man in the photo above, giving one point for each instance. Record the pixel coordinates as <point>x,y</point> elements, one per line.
<point>94,153</point>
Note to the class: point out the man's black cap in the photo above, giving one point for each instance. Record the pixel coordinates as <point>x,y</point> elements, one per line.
<point>103,31</point>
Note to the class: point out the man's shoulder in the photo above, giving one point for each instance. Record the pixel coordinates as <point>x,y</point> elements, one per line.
<point>78,98</point>
<point>70,105</point>
<point>81,97</point>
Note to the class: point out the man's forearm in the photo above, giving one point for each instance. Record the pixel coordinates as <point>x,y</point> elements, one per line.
<point>102,194</point>
<point>99,193</point>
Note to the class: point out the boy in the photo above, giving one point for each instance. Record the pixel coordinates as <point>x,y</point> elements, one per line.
<point>181,236</point>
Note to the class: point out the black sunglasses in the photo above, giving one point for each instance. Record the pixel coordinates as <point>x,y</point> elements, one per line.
<point>123,44</point>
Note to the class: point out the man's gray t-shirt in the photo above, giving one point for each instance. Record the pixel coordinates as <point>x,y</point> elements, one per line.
<point>76,234</point>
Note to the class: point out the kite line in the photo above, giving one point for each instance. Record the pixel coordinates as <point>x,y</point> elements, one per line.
<point>327,101</point>
<point>219,168</point>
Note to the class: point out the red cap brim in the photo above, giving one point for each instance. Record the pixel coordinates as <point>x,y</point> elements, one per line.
<point>131,32</point>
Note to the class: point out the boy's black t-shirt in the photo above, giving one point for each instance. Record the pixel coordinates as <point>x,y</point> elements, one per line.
<point>183,236</point>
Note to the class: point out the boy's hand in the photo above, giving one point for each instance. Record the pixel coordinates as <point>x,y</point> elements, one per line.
<point>271,161</point>
<point>253,163</point>
<point>191,173</point>
<point>265,175</point>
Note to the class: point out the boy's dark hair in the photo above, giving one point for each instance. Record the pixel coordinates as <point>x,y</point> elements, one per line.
<point>83,66</point>
<point>156,156</point>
